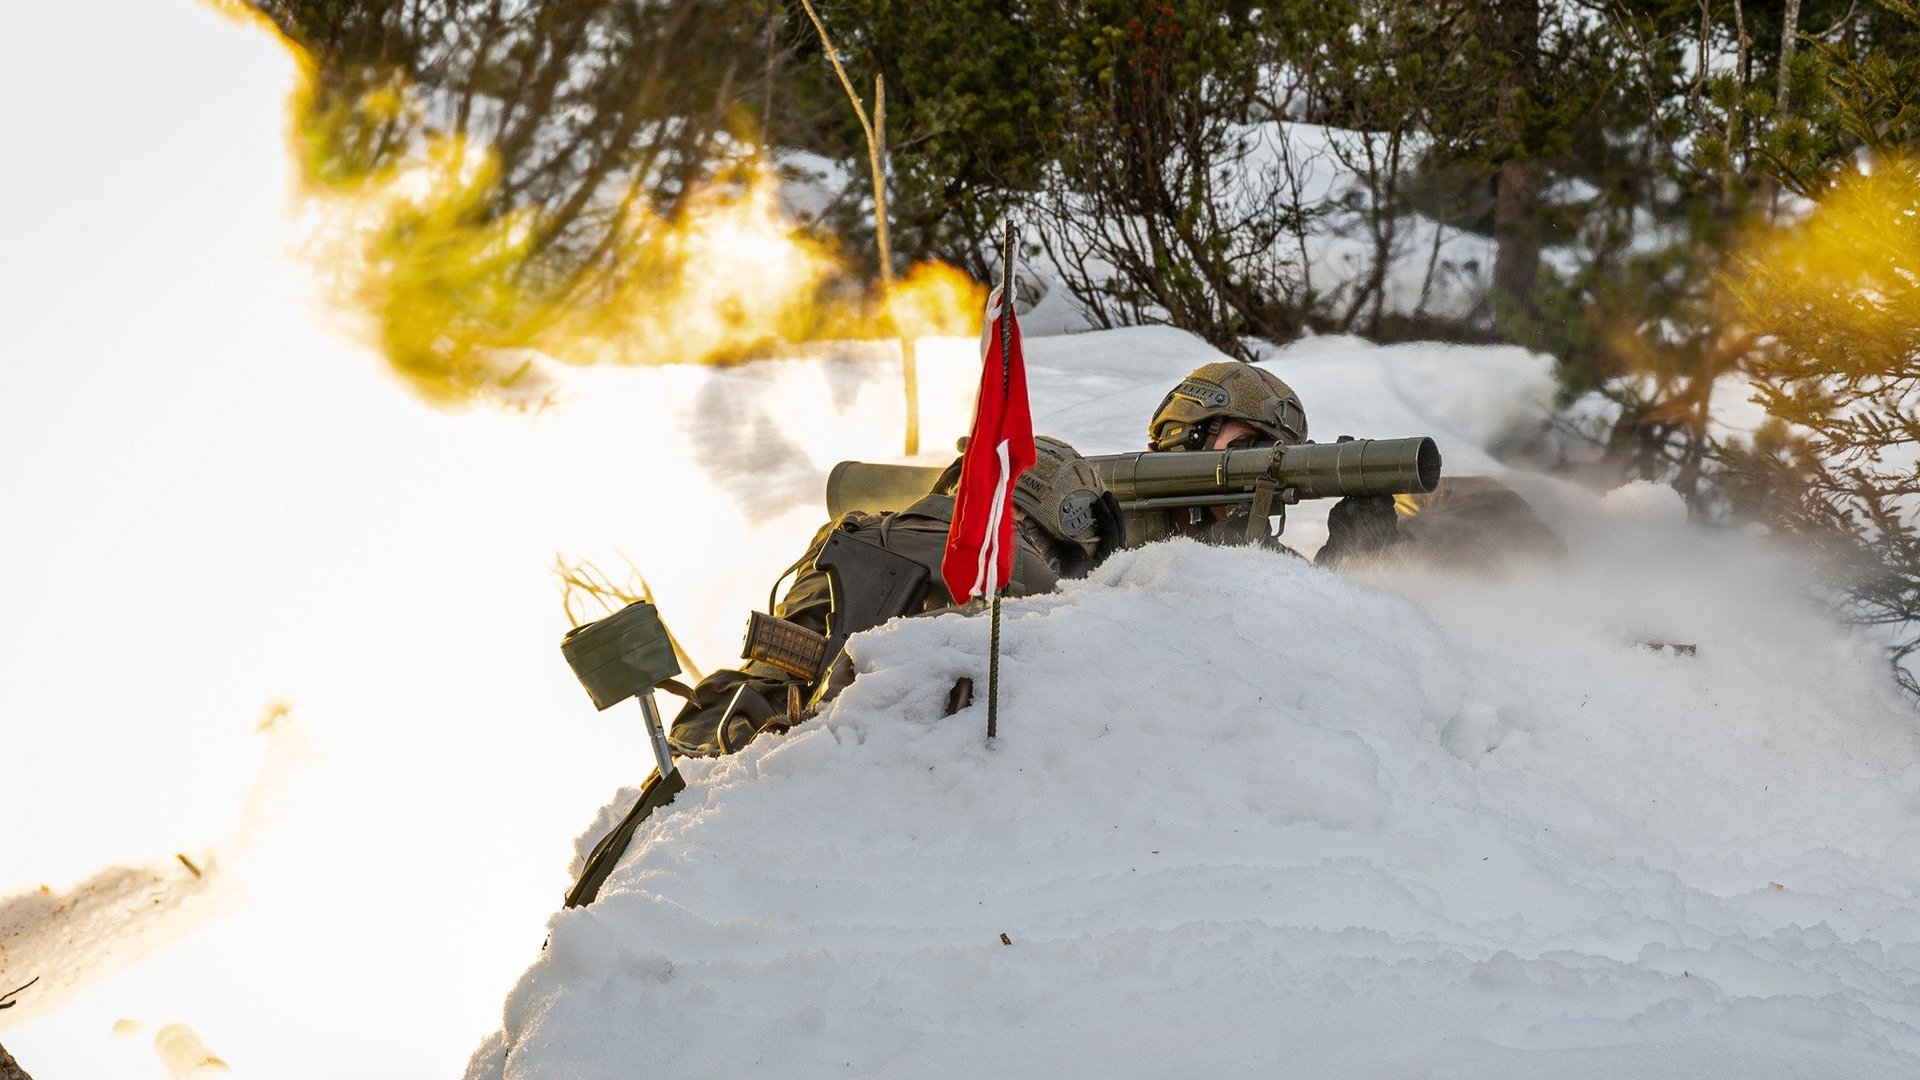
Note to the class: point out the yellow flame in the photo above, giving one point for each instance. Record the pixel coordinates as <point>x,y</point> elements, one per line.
<point>242,12</point>
<point>442,282</point>
<point>1849,272</point>
<point>728,279</point>
<point>937,300</point>
<point>408,254</point>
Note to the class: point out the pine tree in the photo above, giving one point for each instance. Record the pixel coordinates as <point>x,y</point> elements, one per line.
<point>1832,298</point>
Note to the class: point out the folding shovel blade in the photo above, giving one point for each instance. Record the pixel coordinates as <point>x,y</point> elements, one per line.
<point>622,655</point>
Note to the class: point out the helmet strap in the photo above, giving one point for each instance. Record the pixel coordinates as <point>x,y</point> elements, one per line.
<point>1201,437</point>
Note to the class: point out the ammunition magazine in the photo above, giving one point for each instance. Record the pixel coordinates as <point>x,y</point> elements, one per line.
<point>866,584</point>
<point>788,646</point>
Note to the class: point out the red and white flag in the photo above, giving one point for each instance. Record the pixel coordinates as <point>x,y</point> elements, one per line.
<point>979,556</point>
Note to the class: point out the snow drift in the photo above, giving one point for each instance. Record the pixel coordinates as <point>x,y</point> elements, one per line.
<point>1248,817</point>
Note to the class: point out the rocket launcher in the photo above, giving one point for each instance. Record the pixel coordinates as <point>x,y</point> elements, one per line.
<point>1155,489</point>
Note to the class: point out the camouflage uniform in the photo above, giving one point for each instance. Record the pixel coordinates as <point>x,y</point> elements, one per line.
<point>1071,524</point>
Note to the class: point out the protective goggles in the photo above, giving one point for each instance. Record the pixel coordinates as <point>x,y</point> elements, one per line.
<point>1174,435</point>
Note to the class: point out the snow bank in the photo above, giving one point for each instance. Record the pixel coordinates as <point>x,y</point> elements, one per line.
<point>1649,813</point>
<point>1246,816</point>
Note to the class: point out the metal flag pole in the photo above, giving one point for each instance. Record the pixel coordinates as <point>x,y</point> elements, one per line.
<point>993,592</point>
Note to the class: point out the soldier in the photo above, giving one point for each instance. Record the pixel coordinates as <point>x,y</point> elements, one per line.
<point>1065,523</point>
<point>1231,406</point>
<point>1470,521</point>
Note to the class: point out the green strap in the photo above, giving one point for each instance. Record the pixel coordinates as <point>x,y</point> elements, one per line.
<point>606,854</point>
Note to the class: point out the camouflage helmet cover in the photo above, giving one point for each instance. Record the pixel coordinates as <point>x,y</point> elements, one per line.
<point>1228,390</point>
<point>1059,492</point>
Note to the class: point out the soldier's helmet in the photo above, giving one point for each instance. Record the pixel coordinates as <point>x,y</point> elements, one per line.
<point>1192,412</point>
<point>1063,495</point>
<point>1070,516</point>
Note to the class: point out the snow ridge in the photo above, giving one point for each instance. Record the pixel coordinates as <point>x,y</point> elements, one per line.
<point>1246,817</point>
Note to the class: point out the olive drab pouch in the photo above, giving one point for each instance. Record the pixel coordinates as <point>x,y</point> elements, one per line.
<point>621,655</point>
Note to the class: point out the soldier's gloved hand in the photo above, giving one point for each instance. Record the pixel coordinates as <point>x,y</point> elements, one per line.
<point>1359,525</point>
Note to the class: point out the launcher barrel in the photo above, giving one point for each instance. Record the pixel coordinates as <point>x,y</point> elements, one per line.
<point>1306,471</point>
<point>1144,481</point>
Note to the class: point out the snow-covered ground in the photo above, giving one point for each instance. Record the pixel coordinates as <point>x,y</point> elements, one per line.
<point>1245,817</point>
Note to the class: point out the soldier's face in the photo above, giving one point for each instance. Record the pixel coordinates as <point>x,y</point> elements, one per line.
<point>1232,431</point>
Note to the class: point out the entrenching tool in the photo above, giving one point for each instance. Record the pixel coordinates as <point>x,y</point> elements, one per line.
<point>625,655</point>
